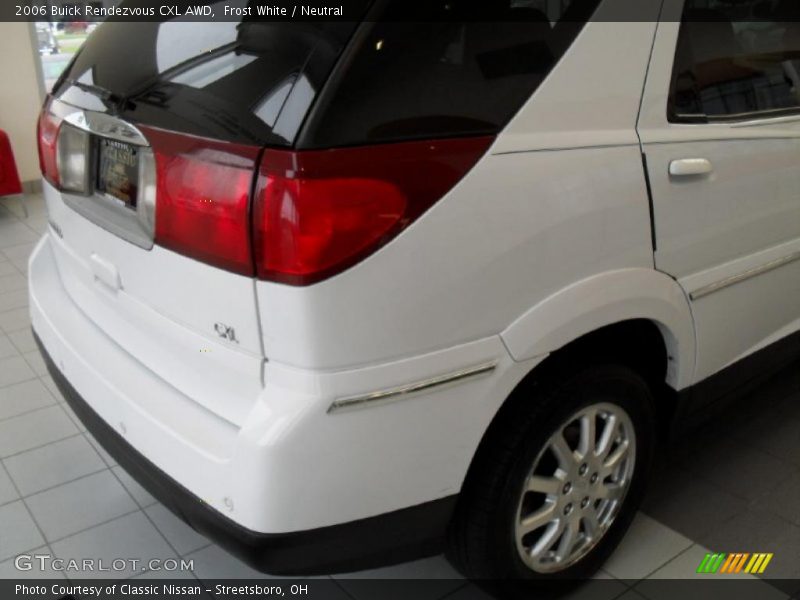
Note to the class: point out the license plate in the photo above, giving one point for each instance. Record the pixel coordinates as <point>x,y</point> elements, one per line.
<point>118,171</point>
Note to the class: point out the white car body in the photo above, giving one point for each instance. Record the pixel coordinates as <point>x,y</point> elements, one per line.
<point>547,239</point>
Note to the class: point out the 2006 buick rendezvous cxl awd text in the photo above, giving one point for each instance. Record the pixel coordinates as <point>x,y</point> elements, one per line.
<point>342,294</point>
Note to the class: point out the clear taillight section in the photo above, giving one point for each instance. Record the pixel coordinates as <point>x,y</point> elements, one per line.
<point>72,159</point>
<point>316,213</point>
<point>63,152</point>
<point>202,198</point>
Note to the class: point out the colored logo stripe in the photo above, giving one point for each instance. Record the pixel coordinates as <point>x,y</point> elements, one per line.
<point>711,563</point>
<point>735,563</point>
<point>758,563</point>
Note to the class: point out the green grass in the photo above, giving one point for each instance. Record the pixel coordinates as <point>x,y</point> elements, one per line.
<point>70,36</point>
<point>70,46</point>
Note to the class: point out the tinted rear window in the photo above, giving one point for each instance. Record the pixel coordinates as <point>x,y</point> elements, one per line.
<point>249,82</point>
<point>441,68</point>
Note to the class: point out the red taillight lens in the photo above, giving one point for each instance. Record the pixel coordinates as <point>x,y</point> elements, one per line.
<point>47,136</point>
<point>203,191</point>
<point>308,226</point>
<point>318,212</point>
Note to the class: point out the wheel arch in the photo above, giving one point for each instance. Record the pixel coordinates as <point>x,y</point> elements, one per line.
<point>593,310</point>
<point>635,318</point>
<point>639,318</point>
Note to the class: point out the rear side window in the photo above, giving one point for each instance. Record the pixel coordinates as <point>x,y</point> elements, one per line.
<point>736,59</point>
<point>442,68</point>
<point>249,82</point>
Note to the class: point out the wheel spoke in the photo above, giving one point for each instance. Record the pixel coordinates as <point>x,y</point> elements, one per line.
<point>610,491</point>
<point>537,519</point>
<point>616,457</point>
<point>607,436</point>
<point>548,538</point>
<point>590,525</point>
<point>544,485</point>
<point>562,451</point>
<point>567,541</point>
<point>588,441</point>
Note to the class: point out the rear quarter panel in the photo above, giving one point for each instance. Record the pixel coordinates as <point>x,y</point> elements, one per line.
<point>561,196</point>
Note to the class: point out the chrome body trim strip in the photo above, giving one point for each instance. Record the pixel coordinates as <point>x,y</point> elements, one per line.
<point>749,274</point>
<point>106,126</point>
<point>393,394</point>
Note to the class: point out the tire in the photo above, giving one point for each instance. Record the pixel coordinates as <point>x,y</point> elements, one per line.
<point>487,540</point>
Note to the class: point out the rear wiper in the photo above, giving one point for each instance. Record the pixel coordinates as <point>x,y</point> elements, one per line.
<point>182,67</point>
<point>104,94</point>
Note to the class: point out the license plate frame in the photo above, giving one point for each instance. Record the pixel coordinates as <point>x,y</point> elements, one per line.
<point>117,171</point>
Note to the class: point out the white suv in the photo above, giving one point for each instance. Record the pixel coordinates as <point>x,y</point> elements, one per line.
<point>341,294</point>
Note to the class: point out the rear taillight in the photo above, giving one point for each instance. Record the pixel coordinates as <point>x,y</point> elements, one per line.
<point>63,152</point>
<point>304,227</point>
<point>47,134</point>
<point>203,192</point>
<point>317,213</point>
<point>313,214</point>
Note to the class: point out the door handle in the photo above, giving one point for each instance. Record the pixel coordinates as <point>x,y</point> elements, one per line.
<point>688,167</point>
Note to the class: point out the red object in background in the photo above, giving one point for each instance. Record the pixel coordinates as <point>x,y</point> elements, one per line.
<point>9,176</point>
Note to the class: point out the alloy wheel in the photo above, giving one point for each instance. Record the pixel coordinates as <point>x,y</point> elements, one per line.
<point>575,488</point>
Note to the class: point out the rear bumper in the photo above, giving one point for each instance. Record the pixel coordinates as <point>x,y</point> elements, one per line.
<point>364,487</point>
<point>392,537</point>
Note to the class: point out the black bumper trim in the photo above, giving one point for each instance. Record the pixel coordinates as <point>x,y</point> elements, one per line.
<point>367,543</point>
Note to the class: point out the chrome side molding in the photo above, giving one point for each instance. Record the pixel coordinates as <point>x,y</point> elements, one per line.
<point>398,393</point>
<point>760,270</point>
